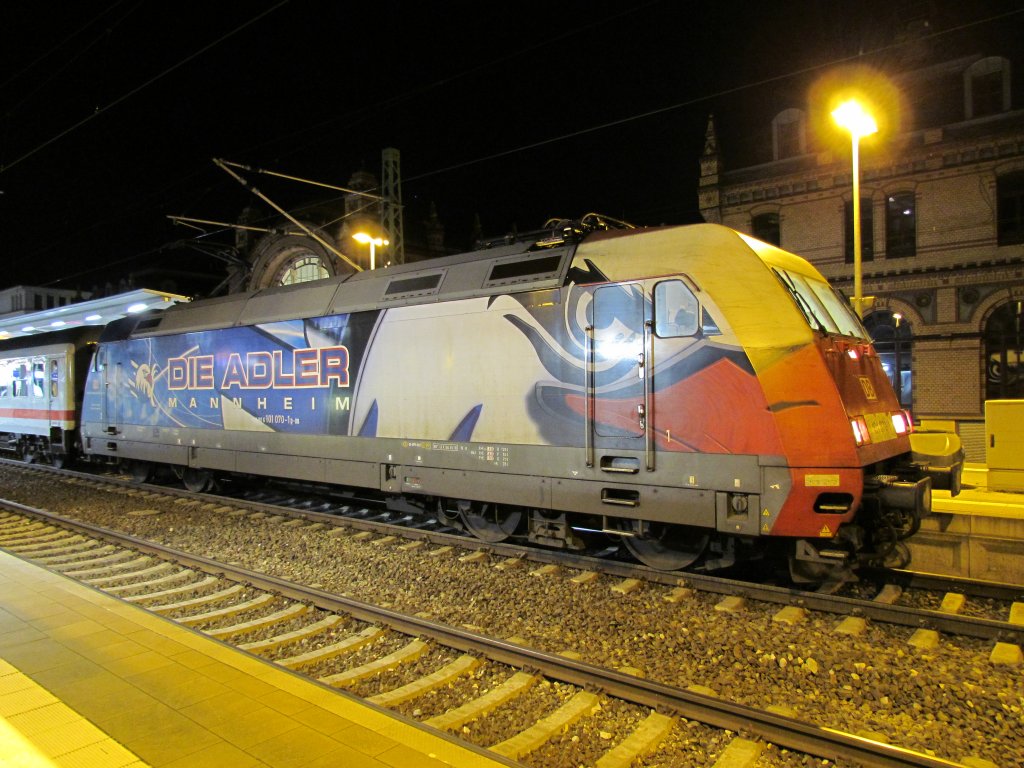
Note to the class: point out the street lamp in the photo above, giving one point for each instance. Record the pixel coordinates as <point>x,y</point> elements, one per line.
<point>374,242</point>
<point>898,379</point>
<point>851,116</point>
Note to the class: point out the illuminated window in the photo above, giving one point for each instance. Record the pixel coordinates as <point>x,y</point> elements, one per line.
<point>1004,352</point>
<point>893,337</point>
<point>302,269</point>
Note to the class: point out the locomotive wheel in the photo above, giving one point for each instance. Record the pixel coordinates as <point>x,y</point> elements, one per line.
<point>449,517</point>
<point>490,522</point>
<point>197,480</point>
<point>663,546</point>
<point>58,460</point>
<point>141,471</point>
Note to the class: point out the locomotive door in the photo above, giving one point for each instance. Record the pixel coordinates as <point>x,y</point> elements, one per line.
<point>635,325</point>
<point>619,396</point>
<point>111,385</point>
<point>618,361</point>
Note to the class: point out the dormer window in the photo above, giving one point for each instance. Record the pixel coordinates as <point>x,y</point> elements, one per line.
<point>789,134</point>
<point>987,87</point>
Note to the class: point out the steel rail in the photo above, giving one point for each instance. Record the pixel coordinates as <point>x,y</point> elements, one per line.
<point>994,590</point>
<point>785,732</point>
<point>907,616</point>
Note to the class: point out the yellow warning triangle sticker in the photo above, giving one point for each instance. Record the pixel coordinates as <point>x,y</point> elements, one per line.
<point>825,532</point>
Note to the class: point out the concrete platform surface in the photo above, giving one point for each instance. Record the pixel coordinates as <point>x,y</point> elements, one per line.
<point>86,680</point>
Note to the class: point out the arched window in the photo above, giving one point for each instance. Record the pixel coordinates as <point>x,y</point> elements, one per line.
<point>301,269</point>
<point>1004,346</point>
<point>894,340</point>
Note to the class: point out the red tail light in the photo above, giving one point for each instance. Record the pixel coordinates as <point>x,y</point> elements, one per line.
<point>860,431</point>
<point>900,423</point>
<point>903,422</point>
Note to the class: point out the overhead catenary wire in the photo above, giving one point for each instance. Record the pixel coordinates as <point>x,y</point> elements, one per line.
<point>124,97</point>
<point>586,130</point>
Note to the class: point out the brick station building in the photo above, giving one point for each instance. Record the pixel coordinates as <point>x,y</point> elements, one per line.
<point>942,212</point>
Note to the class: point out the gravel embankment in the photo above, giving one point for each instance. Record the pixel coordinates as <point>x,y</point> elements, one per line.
<point>951,701</point>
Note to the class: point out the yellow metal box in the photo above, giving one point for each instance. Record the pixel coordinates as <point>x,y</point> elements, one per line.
<point>1004,444</point>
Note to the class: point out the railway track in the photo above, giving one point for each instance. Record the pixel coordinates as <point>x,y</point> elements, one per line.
<point>395,660</point>
<point>645,618</point>
<point>928,602</point>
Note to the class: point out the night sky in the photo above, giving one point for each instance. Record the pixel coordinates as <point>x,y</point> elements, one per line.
<point>111,112</point>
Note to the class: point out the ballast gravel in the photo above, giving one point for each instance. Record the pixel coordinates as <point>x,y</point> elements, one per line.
<point>952,701</point>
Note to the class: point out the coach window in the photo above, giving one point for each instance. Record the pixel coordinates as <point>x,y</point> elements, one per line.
<point>21,381</point>
<point>38,378</point>
<point>675,310</point>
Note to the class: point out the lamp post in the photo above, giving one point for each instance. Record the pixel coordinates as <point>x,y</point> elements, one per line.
<point>851,116</point>
<point>374,242</point>
<point>898,378</point>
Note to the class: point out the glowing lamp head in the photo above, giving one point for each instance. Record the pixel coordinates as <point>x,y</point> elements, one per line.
<point>365,239</point>
<point>851,116</point>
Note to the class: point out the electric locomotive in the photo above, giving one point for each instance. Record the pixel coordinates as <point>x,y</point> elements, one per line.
<point>693,392</point>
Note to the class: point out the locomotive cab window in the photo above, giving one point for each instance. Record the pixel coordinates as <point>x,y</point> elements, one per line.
<point>676,310</point>
<point>823,308</point>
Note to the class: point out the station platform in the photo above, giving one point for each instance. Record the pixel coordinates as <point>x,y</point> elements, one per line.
<point>976,534</point>
<point>86,680</point>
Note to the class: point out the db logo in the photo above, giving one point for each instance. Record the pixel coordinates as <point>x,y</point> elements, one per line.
<point>868,387</point>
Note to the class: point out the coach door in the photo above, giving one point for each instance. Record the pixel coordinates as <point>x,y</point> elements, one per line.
<point>53,401</point>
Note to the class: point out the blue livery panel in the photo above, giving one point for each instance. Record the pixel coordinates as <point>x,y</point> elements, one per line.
<point>295,376</point>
